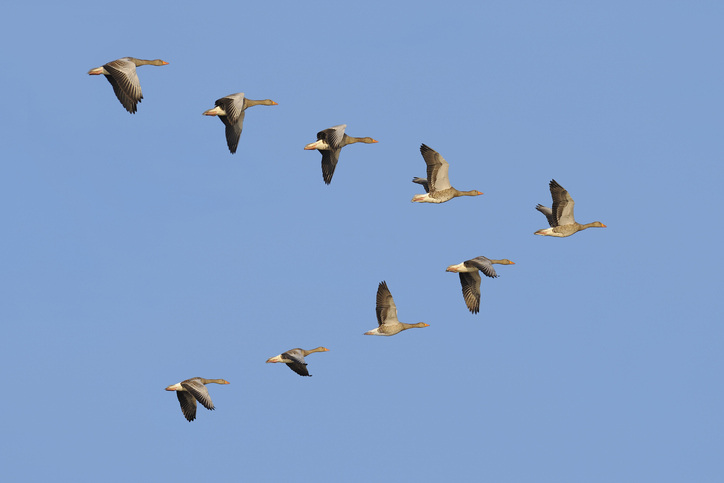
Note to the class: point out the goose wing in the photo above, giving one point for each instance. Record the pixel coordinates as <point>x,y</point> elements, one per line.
<point>483,264</point>
<point>385,307</point>
<point>199,391</point>
<point>470,282</point>
<point>233,106</point>
<point>332,136</point>
<point>330,158</point>
<point>423,182</point>
<point>188,404</point>
<point>437,169</point>
<point>562,204</point>
<point>548,213</point>
<point>122,76</point>
<point>297,365</point>
<point>233,130</point>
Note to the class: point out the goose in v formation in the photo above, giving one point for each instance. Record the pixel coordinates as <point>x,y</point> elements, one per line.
<point>469,272</point>
<point>330,143</point>
<point>560,218</point>
<point>294,358</point>
<point>192,390</point>
<point>121,73</point>
<point>437,185</point>
<point>387,314</point>
<point>231,110</point>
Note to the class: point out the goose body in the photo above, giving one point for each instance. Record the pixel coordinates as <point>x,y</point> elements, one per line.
<point>437,185</point>
<point>294,358</point>
<point>231,110</point>
<point>121,73</point>
<point>192,390</point>
<point>469,272</point>
<point>387,314</point>
<point>330,143</point>
<point>560,218</point>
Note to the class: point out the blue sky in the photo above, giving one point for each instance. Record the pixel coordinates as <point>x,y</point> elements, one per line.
<point>137,252</point>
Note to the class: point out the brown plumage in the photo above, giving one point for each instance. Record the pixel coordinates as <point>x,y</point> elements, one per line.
<point>560,218</point>
<point>192,390</point>
<point>294,358</point>
<point>330,143</point>
<point>386,311</point>
<point>437,185</point>
<point>469,272</point>
<point>231,111</point>
<point>121,73</point>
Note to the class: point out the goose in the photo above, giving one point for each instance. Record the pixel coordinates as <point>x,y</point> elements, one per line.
<point>387,314</point>
<point>330,142</point>
<point>437,186</point>
<point>294,358</point>
<point>121,73</point>
<point>470,278</point>
<point>230,110</point>
<point>560,218</point>
<point>191,390</point>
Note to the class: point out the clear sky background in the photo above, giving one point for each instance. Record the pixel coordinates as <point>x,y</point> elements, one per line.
<point>137,252</point>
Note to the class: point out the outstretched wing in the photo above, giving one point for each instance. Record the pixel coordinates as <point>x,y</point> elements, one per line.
<point>437,169</point>
<point>470,282</point>
<point>385,307</point>
<point>562,204</point>
<point>188,404</point>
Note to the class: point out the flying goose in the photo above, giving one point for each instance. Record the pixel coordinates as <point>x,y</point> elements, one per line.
<point>387,314</point>
<point>122,75</point>
<point>437,186</point>
<point>294,358</point>
<point>560,218</point>
<point>191,390</point>
<point>330,142</point>
<point>469,272</point>
<point>231,110</point>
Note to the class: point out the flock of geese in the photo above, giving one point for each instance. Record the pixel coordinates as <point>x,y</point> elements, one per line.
<point>231,109</point>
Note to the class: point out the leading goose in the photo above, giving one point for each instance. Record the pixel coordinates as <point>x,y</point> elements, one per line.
<point>469,272</point>
<point>330,143</point>
<point>560,218</point>
<point>387,314</point>
<point>294,358</point>
<point>231,110</point>
<point>122,75</point>
<point>437,185</point>
<point>191,390</point>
